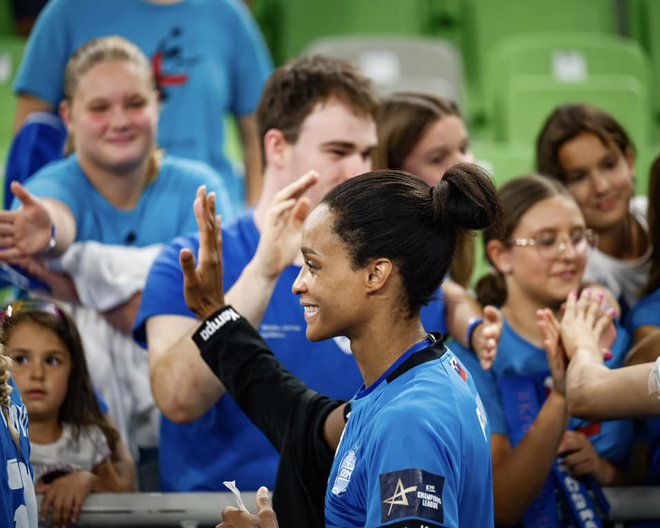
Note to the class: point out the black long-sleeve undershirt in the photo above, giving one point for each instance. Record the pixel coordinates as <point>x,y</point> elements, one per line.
<point>291,415</point>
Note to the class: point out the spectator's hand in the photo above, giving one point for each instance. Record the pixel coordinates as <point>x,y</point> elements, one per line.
<point>265,517</point>
<point>582,458</point>
<point>584,326</point>
<point>26,231</point>
<point>549,326</point>
<point>487,336</point>
<point>281,235</point>
<point>63,498</point>
<point>202,285</point>
<point>61,285</point>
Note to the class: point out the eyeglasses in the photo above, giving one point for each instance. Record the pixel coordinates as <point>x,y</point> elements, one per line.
<point>30,306</point>
<point>550,245</point>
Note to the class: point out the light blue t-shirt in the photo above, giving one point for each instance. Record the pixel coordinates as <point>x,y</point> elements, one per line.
<point>223,444</point>
<point>645,313</point>
<point>164,210</point>
<point>415,451</point>
<point>208,56</point>
<point>18,503</point>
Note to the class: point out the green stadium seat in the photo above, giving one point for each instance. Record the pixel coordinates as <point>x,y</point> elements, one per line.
<point>530,99</point>
<point>11,51</point>
<point>401,63</point>
<point>486,22</point>
<point>303,21</point>
<point>643,21</point>
<point>503,161</point>
<point>6,18</point>
<point>569,58</point>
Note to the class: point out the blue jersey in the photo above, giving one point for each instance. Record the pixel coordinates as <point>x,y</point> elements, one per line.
<point>415,451</point>
<point>645,313</point>
<point>223,444</point>
<point>208,58</point>
<point>517,357</point>
<point>164,210</point>
<point>18,503</point>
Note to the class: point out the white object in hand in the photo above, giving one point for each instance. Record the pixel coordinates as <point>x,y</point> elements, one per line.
<point>231,486</point>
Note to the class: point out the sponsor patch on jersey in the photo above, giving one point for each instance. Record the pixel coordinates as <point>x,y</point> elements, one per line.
<point>344,473</point>
<point>411,493</point>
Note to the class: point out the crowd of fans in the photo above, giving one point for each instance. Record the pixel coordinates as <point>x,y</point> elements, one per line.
<point>348,367</point>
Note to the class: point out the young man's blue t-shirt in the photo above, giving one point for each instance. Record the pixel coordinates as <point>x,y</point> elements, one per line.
<point>223,444</point>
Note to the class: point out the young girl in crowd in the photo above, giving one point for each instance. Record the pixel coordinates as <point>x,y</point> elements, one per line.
<point>75,450</point>
<point>18,504</point>
<point>591,153</point>
<point>538,258</point>
<point>118,189</point>
<point>375,250</point>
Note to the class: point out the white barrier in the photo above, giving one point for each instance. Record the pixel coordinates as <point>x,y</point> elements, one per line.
<point>192,510</point>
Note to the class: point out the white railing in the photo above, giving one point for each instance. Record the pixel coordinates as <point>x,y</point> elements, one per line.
<point>191,510</point>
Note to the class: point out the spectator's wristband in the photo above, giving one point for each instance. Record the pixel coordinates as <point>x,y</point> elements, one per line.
<point>51,243</point>
<point>472,326</point>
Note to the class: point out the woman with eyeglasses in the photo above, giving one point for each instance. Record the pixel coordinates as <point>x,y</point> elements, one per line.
<point>538,259</point>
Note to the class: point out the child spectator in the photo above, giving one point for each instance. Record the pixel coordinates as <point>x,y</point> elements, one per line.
<point>75,451</point>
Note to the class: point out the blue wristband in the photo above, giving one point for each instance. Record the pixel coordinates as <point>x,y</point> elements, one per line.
<point>472,325</point>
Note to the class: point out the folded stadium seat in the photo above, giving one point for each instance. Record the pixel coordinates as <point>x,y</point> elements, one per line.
<point>486,22</point>
<point>565,57</point>
<point>529,99</point>
<point>401,64</point>
<point>303,21</point>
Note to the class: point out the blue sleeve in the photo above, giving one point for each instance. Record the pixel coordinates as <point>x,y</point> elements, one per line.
<point>41,73</point>
<point>408,484</point>
<point>486,385</point>
<point>251,63</point>
<point>163,292</point>
<point>645,313</point>
<point>55,183</point>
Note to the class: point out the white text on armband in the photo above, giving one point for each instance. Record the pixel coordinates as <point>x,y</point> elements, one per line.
<point>215,324</point>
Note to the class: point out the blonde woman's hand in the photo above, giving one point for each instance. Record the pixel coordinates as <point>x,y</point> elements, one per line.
<point>26,231</point>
